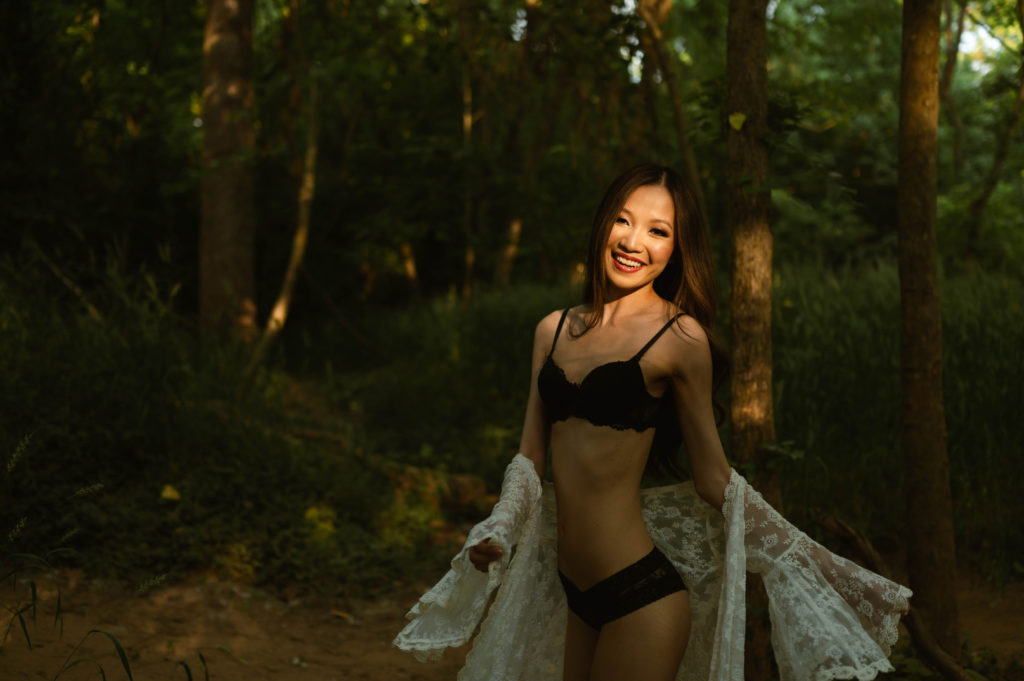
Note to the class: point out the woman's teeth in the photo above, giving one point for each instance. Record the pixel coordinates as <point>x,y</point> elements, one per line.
<point>626,262</point>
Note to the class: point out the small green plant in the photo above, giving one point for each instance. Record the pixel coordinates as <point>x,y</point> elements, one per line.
<point>19,569</point>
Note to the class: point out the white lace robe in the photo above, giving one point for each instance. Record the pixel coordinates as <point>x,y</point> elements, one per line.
<point>831,619</point>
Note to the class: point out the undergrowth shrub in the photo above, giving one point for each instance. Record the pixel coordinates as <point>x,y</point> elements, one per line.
<point>836,355</point>
<point>186,472</point>
<point>446,383</point>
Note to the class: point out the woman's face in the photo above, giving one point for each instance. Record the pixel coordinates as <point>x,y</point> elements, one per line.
<point>641,239</point>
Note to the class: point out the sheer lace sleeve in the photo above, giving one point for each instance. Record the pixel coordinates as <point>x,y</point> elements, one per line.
<point>831,618</point>
<point>447,615</point>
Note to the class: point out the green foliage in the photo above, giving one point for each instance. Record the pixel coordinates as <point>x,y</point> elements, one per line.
<point>447,382</point>
<point>100,112</point>
<point>836,347</point>
<point>145,459</point>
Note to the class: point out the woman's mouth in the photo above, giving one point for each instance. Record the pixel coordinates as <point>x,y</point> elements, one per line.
<point>626,264</point>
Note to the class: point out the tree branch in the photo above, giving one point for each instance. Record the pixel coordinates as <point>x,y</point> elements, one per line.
<point>68,282</point>
<point>661,56</point>
<point>307,189</point>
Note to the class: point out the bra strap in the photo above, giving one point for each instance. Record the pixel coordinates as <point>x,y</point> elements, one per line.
<point>656,337</point>
<point>558,331</point>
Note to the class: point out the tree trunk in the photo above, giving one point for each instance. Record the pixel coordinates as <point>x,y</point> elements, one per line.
<point>307,189</point>
<point>503,270</point>
<point>469,255</point>
<point>412,276</point>
<point>931,557</point>
<point>647,86</point>
<point>652,12</point>
<point>748,212</point>
<point>226,284</point>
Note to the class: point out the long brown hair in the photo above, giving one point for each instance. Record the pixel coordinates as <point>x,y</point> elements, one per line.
<point>688,281</point>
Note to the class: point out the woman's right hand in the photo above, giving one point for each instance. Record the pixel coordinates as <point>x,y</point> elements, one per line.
<point>483,554</point>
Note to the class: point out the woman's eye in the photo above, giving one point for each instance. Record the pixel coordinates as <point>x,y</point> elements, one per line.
<point>621,221</point>
<point>659,232</point>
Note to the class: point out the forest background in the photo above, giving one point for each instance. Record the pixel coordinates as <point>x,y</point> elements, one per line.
<point>443,160</point>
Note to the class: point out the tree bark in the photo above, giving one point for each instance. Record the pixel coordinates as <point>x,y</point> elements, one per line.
<point>748,213</point>
<point>227,291</point>
<point>503,270</point>
<point>653,12</point>
<point>408,256</point>
<point>307,189</point>
<point>931,560</point>
<point>469,254</point>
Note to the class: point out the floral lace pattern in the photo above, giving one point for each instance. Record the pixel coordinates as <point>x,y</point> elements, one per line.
<point>447,615</point>
<point>831,619</point>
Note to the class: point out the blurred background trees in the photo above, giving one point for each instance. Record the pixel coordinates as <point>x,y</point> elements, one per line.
<point>458,151</point>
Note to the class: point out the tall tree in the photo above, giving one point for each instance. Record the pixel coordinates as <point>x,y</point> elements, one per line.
<point>654,12</point>
<point>931,558</point>
<point>226,282</point>
<point>748,209</point>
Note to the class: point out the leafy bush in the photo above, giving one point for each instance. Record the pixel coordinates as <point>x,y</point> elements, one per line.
<point>447,383</point>
<point>184,471</point>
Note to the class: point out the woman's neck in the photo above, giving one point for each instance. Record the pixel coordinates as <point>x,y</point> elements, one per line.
<point>630,304</point>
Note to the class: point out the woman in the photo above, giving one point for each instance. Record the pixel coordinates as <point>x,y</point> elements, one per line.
<point>637,359</point>
<point>600,374</point>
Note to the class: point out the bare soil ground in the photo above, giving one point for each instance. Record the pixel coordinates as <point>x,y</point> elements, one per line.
<point>246,634</point>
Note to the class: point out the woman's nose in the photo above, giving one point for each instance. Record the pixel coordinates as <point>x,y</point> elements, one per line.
<point>630,240</point>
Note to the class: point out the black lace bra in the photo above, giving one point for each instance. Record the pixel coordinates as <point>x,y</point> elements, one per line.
<point>612,394</point>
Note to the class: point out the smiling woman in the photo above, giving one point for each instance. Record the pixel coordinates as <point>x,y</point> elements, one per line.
<point>640,240</point>
<point>651,584</point>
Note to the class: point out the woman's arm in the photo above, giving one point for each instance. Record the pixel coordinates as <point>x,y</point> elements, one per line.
<point>691,386</point>
<point>534,442</point>
<point>536,430</point>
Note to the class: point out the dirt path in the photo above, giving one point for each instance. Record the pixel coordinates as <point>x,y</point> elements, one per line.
<point>245,634</point>
<point>242,633</point>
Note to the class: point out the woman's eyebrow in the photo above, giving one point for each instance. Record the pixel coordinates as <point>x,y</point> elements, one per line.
<point>662,221</point>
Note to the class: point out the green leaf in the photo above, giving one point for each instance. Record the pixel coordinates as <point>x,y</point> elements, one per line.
<point>188,672</point>
<point>120,651</point>
<point>736,120</point>
<point>206,672</point>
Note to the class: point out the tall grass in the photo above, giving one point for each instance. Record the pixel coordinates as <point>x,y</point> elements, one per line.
<point>185,472</point>
<point>836,345</point>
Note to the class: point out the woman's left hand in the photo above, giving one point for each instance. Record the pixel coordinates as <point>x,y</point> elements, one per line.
<point>483,554</point>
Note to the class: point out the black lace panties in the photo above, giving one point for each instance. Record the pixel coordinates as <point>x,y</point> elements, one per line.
<point>649,579</point>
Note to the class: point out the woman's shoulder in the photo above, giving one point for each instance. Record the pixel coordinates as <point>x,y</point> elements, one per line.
<point>549,322</point>
<point>545,330</point>
<point>687,330</point>
<point>687,343</point>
